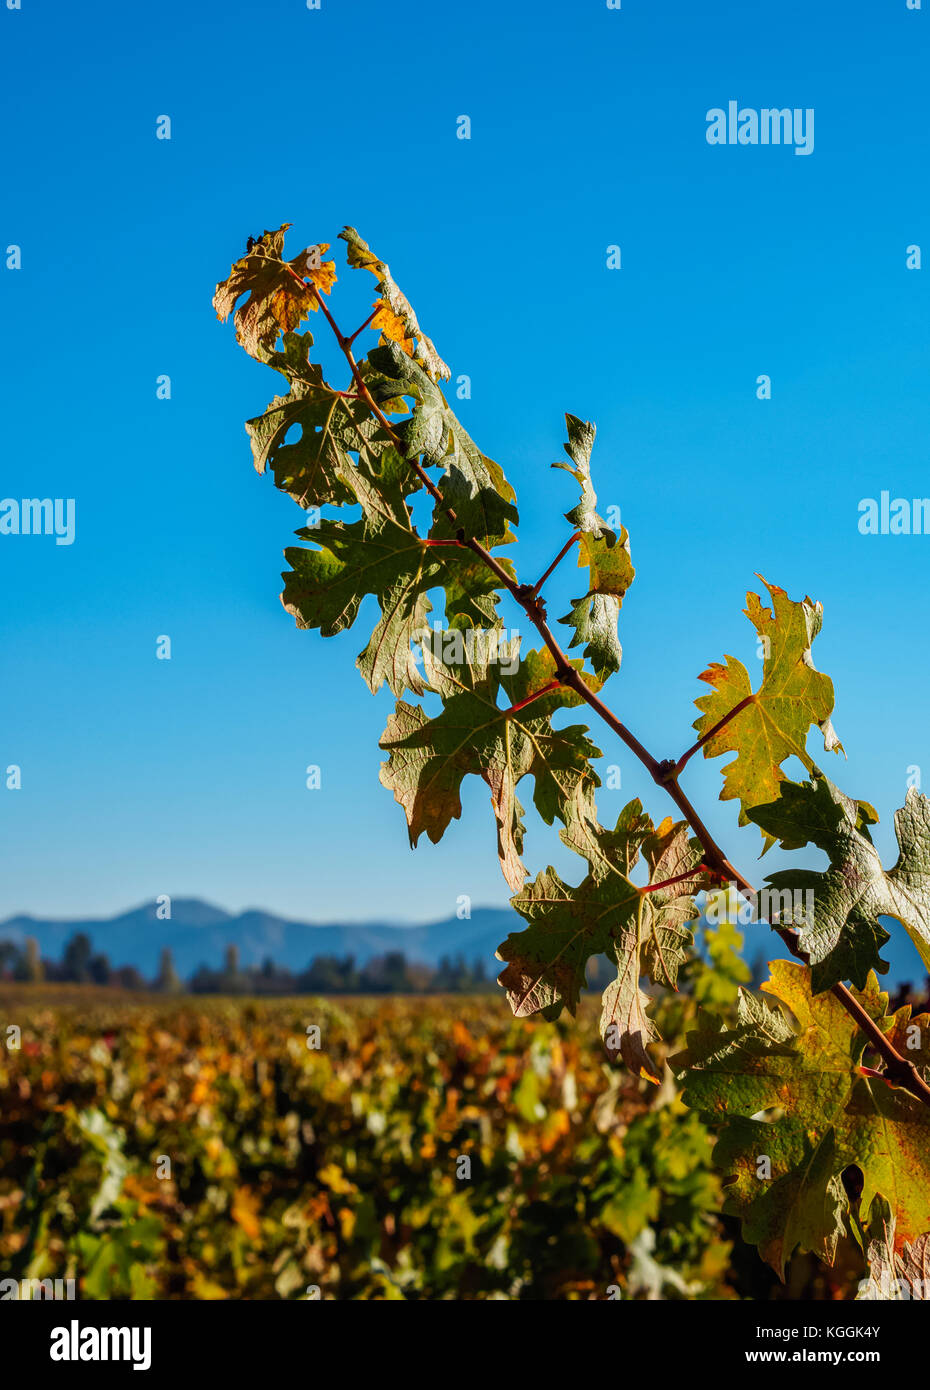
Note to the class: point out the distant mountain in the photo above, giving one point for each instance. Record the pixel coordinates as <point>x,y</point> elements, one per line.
<point>199,933</point>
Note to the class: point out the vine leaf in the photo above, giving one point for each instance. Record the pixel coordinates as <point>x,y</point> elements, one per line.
<point>774,724</point>
<point>670,853</point>
<point>429,758</point>
<point>383,555</point>
<point>797,1097</point>
<point>394,317</point>
<point>897,1274</point>
<point>595,616</point>
<point>843,936</point>
<point>277,302</point>
<point>317,468</point>
<point>607,914</point>
<point>473,485</point>
<point>471,591</point>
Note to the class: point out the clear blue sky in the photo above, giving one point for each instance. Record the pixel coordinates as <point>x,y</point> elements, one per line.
<point>588,129</point>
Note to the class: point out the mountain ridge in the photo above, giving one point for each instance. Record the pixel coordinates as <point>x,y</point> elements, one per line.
<point>198,933</point>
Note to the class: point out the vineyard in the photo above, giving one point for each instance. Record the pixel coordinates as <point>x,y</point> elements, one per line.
<point>404,1149</point>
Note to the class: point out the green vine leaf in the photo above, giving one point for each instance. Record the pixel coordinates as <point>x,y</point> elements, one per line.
<point>641,932</point>
<point>277,297</point>
<point>429,758</point>
<point>774,723</point>
<point>318,468</point>
<point>796,1096</point>
<point>606,554</point>
<point>473,485</point>
<point>381,554</point>
<point>844,937</point>
<point>673,857</point>
<point>471,592</point>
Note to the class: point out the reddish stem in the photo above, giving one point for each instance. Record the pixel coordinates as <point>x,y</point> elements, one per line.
<point>561,555</point>
<point>679,878</point>
<point>720,724</point>
<point>361,328</point>
<point>536,695</point>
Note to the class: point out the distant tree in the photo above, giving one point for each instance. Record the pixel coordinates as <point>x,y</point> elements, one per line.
<point>205,981</point>
<point>127,977</point>
<point>167,981</point>
<point>10,957</point>
<point>76,959</point>
<point>419,978</point>
<point>908,993</point>
<point>233,980</point>
<point>270,979</point>
<point>351,976</point>
<point>100,970</point>
<point>387,974</point>
<point>322,976</point>
<point>32,966</point>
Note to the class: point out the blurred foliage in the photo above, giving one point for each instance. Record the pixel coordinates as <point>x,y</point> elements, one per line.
<point>167,1148</point>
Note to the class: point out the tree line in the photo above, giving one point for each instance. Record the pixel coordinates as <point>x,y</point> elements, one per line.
<point>391,973</point>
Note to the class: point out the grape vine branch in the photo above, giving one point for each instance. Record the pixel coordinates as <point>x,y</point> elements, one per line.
<point>898,1070</point>
<point>828,1021</point>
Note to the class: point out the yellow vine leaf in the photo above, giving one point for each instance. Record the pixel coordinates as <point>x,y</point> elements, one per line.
<point>278,297</point>
<point>395,317</point>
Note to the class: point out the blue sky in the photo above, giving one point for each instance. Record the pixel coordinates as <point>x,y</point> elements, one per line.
<point>588,129</point>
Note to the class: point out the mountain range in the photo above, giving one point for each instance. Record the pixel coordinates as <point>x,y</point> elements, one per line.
<point>199,933</point>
